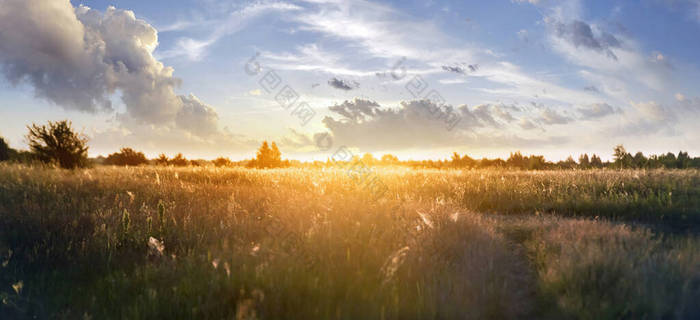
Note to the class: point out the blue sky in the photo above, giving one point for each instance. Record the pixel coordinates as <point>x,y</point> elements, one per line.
<point>545,77</point>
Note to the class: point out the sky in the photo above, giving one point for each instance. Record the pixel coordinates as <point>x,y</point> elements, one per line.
<point>418,79</point>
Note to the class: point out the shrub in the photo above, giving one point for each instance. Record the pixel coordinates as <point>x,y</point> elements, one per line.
<point>162,160</point>
<point>223,162</point>
<point>4,150</point>
<point>179,161</point>
<point>58,143</point>
<point>126,157</point>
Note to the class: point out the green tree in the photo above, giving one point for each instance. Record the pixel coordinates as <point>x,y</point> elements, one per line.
<point>667,160</point>
<point>683,160</point>
<point>584,162</point>
<point>569,163</point>
<point>622,158</point>
<point>639,160</point>
<point>536,162</point>
<point>58,143</point>
<point>596,162</point>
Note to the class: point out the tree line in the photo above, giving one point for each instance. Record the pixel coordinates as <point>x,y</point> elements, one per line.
<point>58,144</point>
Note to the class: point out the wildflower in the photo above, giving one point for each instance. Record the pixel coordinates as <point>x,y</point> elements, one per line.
<point>131,196</point>
<point>425,219</point>
<point>155,247</point>
<point>245,309</point>
<point>394,262</point>
<point>18,286</point>
<point>227,268</point>
<point>126,221</point>
<point>161,215</point>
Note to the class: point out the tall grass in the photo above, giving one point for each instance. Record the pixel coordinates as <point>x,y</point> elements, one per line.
<point>311,243</point>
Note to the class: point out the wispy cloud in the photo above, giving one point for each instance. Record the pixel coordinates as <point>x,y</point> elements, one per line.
<point>196,49</point>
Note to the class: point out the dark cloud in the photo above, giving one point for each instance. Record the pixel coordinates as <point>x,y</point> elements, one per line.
<point>580,34</point>
<point>591,89</point>
<point>343,84</point>
<point>460,69</point>
<point>78,57</point>
<point>455,69</point>
<point>357,110</point>
<point>414,124</point>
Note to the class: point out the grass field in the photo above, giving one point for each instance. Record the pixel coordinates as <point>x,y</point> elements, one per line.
<point>316,244</point>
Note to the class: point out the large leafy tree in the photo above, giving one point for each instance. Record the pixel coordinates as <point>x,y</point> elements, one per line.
<point>58,143</point>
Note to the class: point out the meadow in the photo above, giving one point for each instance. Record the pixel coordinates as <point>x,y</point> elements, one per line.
<point>235,243</point>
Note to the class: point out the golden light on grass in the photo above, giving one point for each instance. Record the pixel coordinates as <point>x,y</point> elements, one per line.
<point>314,243</point>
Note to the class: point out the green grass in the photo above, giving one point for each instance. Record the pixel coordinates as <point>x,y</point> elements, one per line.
<point>314,244</point>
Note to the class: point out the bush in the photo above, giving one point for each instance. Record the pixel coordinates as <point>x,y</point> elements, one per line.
<point>4,150</point>
<point>162,160</point>
<point>126,157</point>
<point>57,143</point>
<point>223,162</point>
<point>179,161</point>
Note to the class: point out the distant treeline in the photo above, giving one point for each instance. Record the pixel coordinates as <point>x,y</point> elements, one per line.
<point>57,143</point>
<point>270,157</point>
